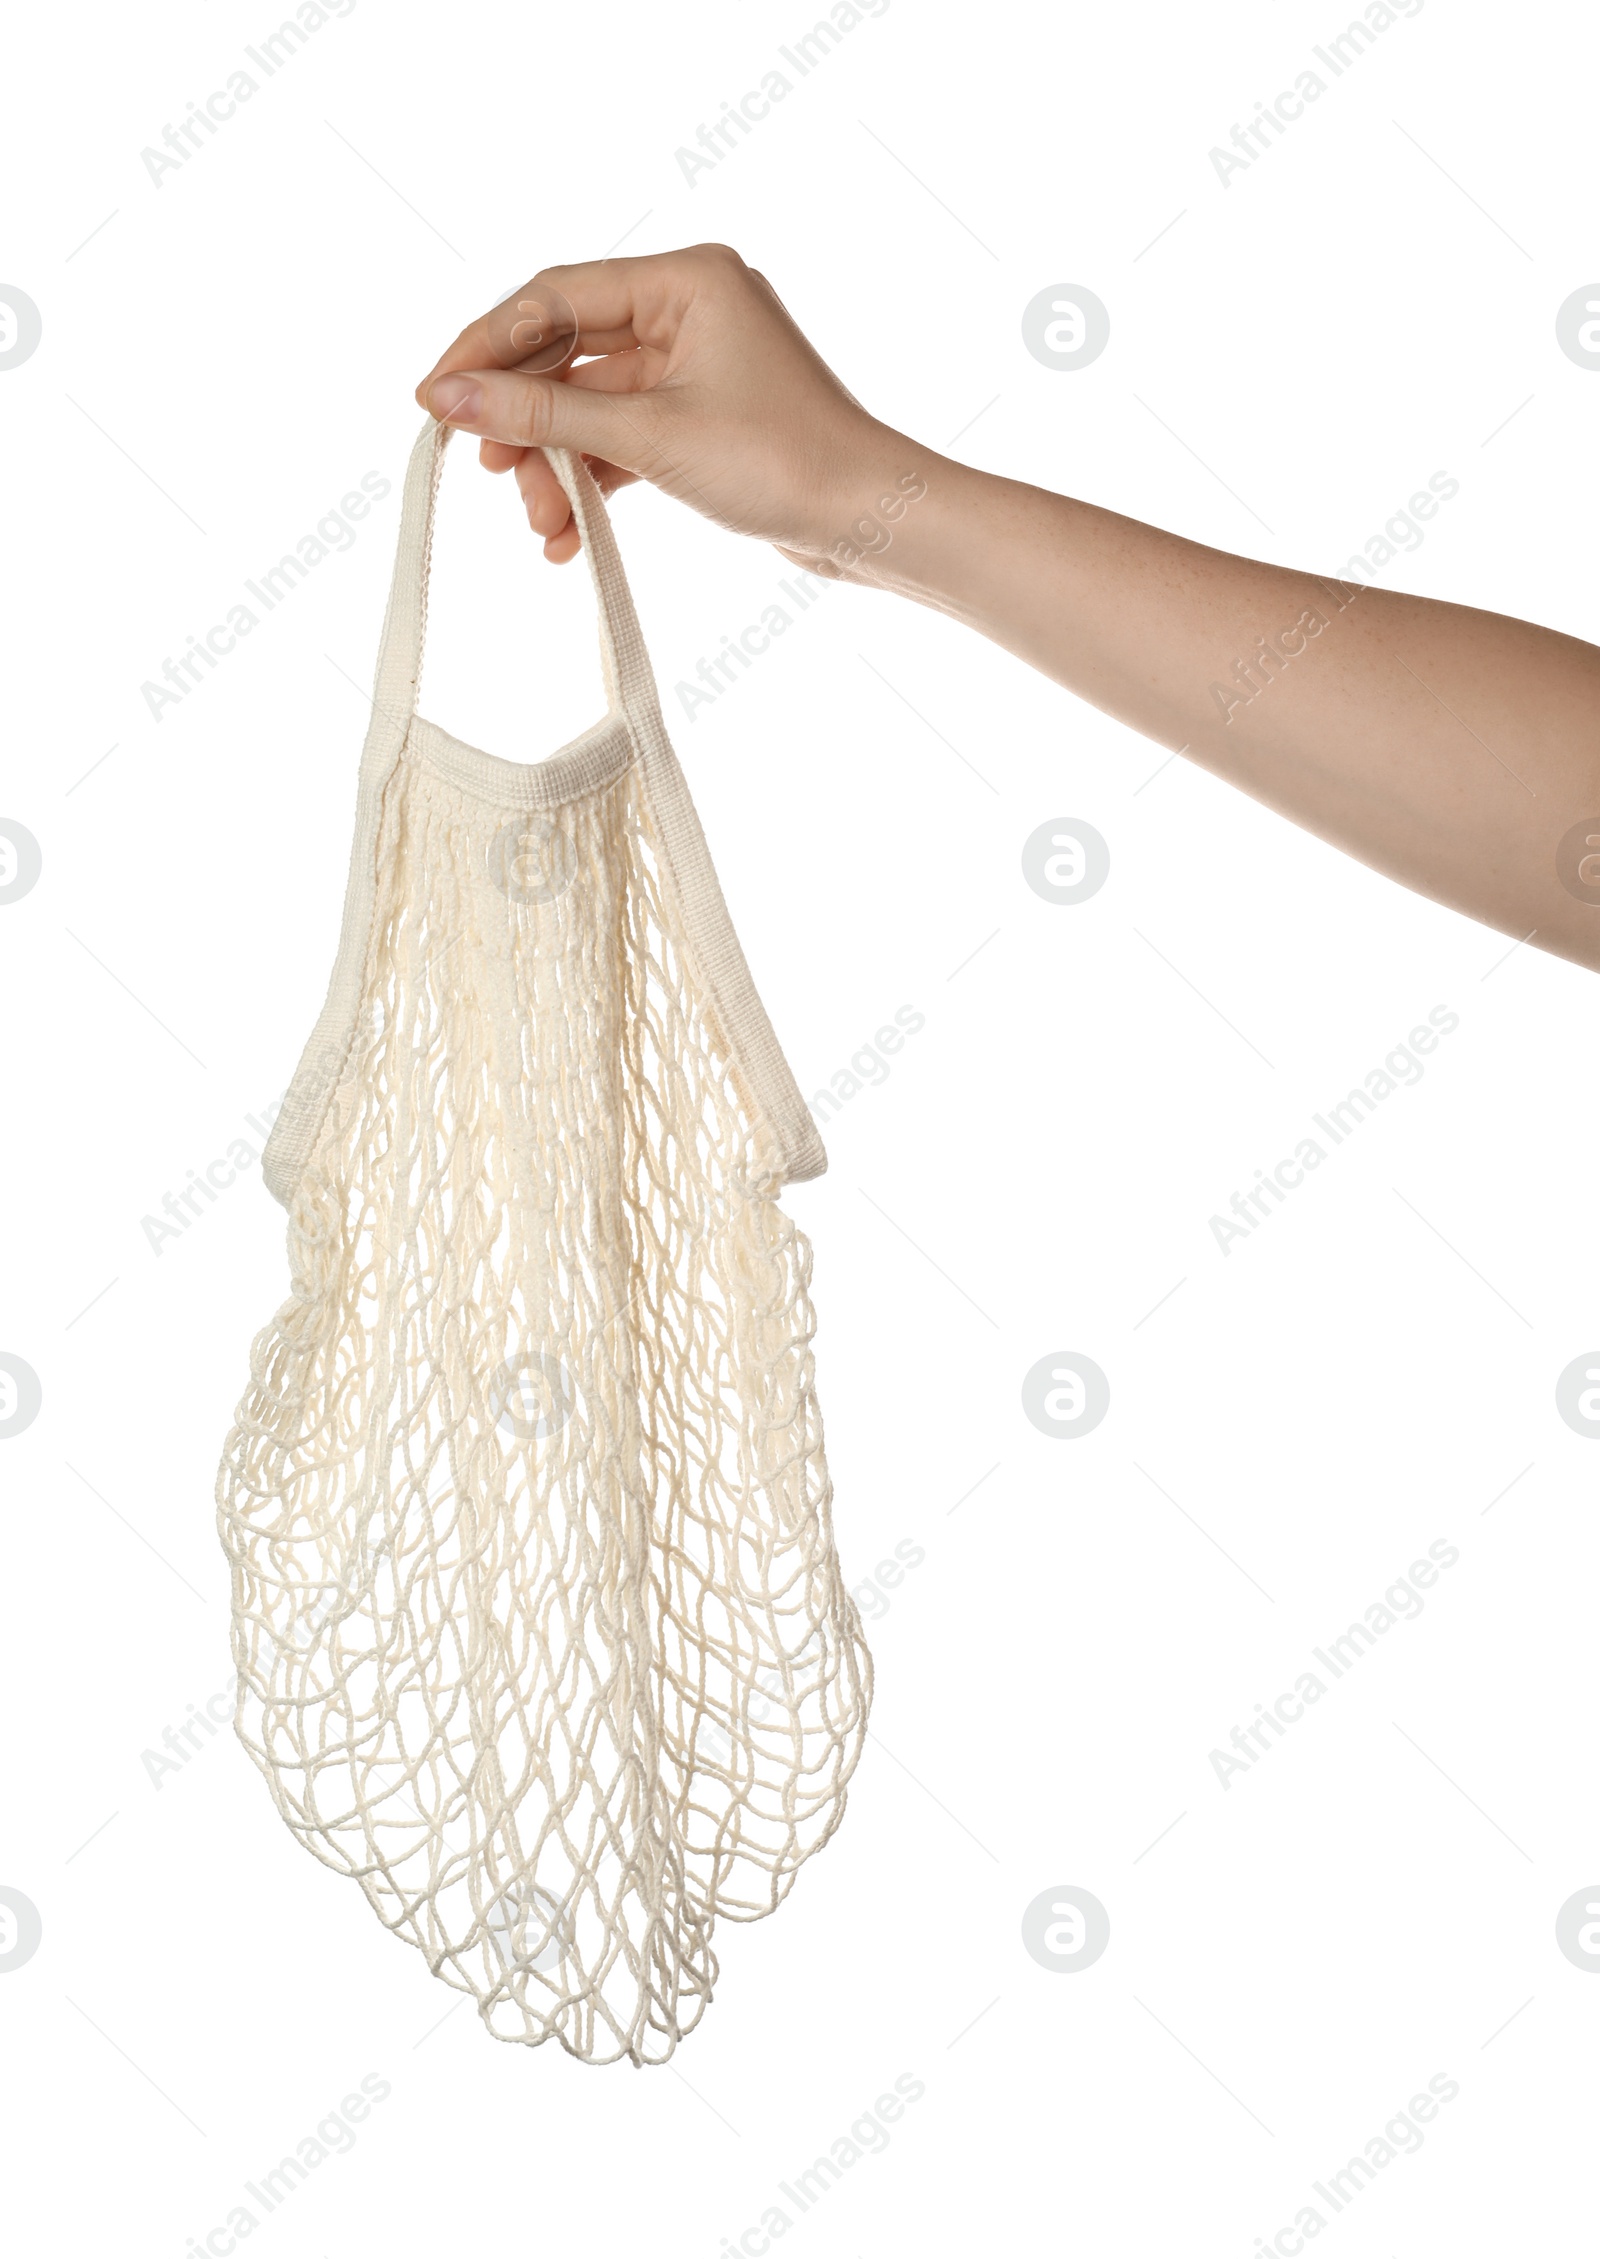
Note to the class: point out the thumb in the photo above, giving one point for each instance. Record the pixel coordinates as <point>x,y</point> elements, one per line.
<point>537,411</point>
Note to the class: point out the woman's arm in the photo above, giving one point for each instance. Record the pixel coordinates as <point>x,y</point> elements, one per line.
<point>1453,750</point>
<point>1456,751</point>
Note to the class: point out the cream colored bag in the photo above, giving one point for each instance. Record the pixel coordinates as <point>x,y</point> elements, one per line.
<point>539,1624</point>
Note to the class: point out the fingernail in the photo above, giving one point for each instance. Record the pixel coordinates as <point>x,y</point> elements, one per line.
<point>455,400</point>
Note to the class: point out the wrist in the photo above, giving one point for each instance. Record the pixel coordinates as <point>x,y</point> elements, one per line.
<point>868,488</point>
<point>893,519</point>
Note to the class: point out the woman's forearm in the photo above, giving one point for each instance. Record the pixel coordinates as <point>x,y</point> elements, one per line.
<point>1452,749</point>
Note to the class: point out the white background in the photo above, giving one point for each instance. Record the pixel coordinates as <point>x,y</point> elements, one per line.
<point>1374,1902</point>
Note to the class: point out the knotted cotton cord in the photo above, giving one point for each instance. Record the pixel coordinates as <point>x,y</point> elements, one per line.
<point>540,1628</point>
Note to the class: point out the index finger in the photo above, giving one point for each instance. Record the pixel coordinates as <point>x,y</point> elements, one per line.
<point>599,306</point>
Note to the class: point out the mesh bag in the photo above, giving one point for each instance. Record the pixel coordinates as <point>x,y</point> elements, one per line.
<point>540,1629</point>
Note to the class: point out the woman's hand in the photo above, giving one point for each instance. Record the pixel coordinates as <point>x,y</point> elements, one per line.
<point>698,381</point>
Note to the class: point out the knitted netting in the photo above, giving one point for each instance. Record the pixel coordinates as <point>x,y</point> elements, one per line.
<point>540,1628</point>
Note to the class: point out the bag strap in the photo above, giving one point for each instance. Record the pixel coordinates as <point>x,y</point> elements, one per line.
<point>629,681</point>
<point>688,880</point>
